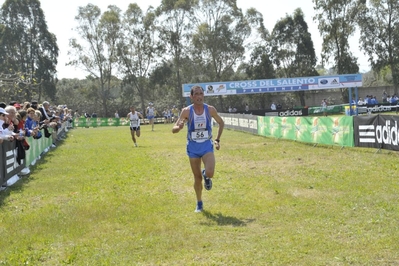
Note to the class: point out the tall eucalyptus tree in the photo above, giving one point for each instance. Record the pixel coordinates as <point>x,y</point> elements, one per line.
<point>260,66</point>
<point>293,50</point>
<point>175,33</point>
<point>379,36</point>
<point>138,49</point>
<point>28,49</point>
<point>96,50</point>
<point>337,22</point>
<point>219,39</point>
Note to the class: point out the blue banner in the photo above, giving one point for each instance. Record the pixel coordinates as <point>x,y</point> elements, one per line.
<point>277,85</point>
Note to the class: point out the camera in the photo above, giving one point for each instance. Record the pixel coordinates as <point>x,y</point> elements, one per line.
<point>43,127</point>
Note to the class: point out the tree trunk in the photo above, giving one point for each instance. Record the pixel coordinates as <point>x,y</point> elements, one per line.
<point>301,96</point>
<point>345,95</point>
<point>395,80</point>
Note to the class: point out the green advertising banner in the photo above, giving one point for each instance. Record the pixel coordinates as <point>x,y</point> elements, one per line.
<point>31,153</point>
<point>37,146</point>
<point>100,122</point>
<point>323,130</point>
<point>331,109</point>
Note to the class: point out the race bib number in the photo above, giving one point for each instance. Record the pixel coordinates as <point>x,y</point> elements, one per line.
<point>134,123</point>
<point>199,135</point>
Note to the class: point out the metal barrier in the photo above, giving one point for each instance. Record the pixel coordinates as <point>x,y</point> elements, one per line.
<point>12,167</point>
<point>240,122</point>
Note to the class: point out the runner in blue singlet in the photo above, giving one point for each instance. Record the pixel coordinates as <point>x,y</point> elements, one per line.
<point>199,140</point>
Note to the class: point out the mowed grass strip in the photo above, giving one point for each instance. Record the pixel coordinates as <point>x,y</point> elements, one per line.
<point>98,200</point>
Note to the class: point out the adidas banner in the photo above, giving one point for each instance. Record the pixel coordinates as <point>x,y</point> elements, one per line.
<point>380,131</point>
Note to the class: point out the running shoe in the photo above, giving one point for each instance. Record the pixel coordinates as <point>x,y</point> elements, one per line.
<point>199,207</point>
<point>207,181</point>
<point>135,145</point>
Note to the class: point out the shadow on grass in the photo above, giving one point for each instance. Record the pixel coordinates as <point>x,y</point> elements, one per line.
<point>18,187</point>
<point>222,220</point>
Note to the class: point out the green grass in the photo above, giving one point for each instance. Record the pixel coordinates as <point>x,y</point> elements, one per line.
<point>97,200</point>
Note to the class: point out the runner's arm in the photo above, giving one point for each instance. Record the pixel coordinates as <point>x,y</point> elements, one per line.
<point>180,122</point>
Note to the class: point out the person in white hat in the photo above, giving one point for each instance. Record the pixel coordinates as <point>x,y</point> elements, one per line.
<point>5,133</point>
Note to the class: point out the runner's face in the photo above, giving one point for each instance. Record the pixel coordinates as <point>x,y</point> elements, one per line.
<point>198,96</point>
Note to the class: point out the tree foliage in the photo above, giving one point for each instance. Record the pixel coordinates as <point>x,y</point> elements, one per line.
<point>100,34</point>
<point>379,38</point>
<point>293,49</point>
<point>175,32</point>
<point>219,38</point>
<point>28,50</point>
<point>337,22</point>
<point>137,50</point>
<point>135,57</point>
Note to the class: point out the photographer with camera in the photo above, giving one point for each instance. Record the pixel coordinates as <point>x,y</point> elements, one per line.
<point>48,121</point>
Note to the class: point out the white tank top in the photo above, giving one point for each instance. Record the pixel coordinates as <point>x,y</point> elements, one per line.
<point>151,111</point>
<point>200,133</point>
<point>134,119</point>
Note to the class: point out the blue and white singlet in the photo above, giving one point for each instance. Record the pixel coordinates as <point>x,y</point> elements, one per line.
<point>199,126</point>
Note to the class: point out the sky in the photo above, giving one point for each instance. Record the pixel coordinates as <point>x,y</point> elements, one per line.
<point>60,17</point>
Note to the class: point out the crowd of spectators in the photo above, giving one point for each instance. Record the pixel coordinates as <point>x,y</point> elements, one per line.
<point>29,119</point>
<point>232,109</point>
<point>372,100</point>
<point>368,100</point>
<point>171,114</point>
<point>392,99</point>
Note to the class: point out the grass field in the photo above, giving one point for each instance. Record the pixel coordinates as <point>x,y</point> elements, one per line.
<point>97,200</point>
